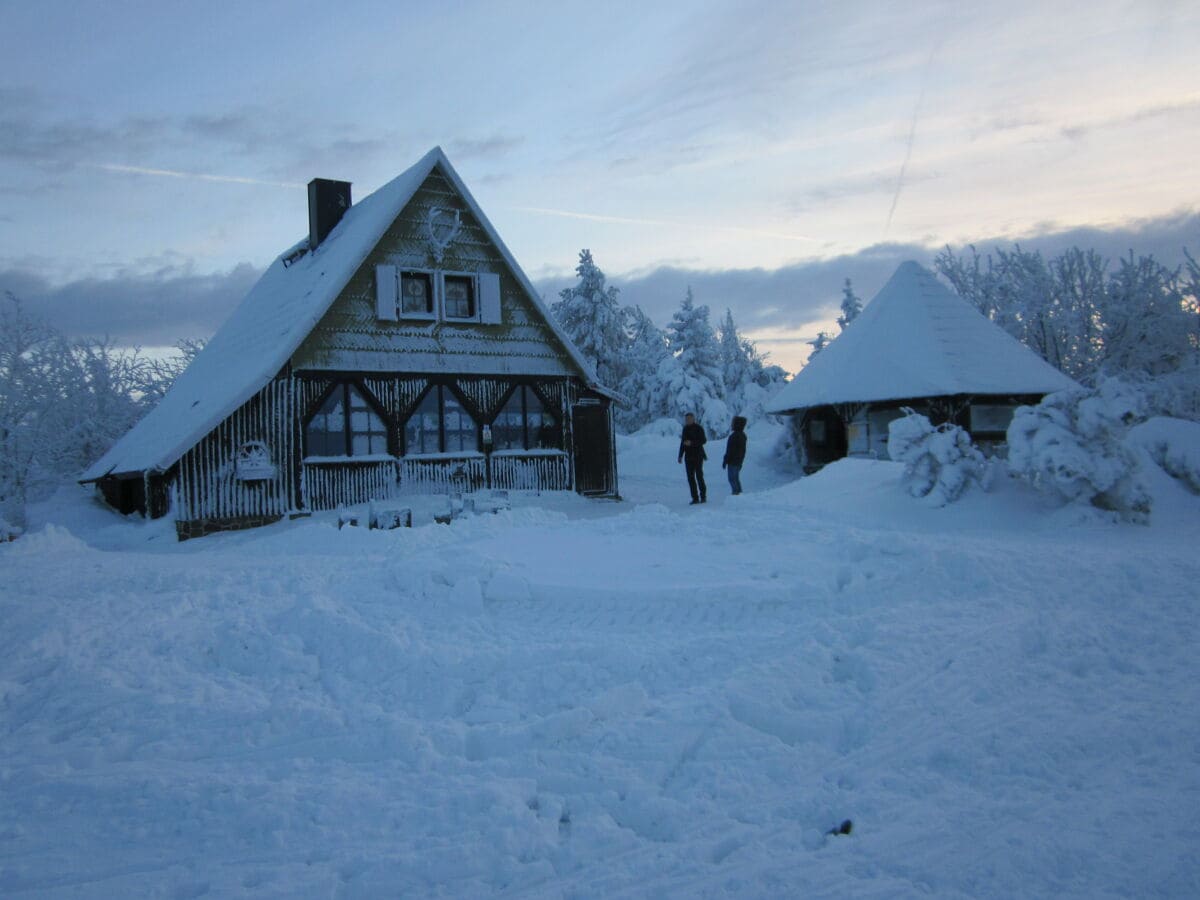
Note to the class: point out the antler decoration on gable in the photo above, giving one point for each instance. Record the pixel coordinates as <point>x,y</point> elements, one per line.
<point>441,228</point>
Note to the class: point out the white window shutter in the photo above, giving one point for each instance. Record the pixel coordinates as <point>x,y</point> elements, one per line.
<point>489,298</point>
<point>386,293</point>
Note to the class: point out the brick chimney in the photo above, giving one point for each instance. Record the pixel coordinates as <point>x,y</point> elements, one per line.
<point>327,203</point>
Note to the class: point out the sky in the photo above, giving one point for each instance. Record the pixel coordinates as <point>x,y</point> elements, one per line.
<point>153,155</point>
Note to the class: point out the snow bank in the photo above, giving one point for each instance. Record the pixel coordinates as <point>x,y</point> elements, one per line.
<point>1173,444</point>
<point>630,699</point>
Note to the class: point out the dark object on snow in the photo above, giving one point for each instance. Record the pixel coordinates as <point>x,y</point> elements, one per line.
<point>845,828</point>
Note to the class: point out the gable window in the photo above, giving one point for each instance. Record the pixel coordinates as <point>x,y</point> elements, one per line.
<point>459,296</point>
<point>525,424</point>
<point>345,425</point>
<point>416,295</point>
<point>440,424</point>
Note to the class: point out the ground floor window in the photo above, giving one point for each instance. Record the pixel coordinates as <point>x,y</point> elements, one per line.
<point>440,424</point>
<point>526,424</point>
<point>345,425</point>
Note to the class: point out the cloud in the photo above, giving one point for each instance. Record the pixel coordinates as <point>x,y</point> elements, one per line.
<point>781,308</point>
<point>193,176</point>
<point>152,310</point>
<point>265,140</point>
<point>879,181</point>
<point>491,147</point>
<point>784,307</point>
<point>625,220</point>
<point>25,139</point>
<point>1078,130</point>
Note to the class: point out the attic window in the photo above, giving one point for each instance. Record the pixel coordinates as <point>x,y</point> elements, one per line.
<point>428,295</point>
<point>459,296</point>
<point>416,295</point>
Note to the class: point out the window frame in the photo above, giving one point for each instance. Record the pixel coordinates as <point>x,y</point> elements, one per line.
<point>441,388</point>
<point>546,410</point>
<point>348,433</point>
<point>431,280</point>
<point>472,280</point>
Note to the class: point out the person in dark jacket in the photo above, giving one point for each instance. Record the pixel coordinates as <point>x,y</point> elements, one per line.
<point>735,454</point>
<point>691,452</point>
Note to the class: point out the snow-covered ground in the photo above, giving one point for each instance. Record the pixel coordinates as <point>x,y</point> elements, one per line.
<point>590,699</point>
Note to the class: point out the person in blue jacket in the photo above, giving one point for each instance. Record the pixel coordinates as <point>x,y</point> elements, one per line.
<point>735,454</point>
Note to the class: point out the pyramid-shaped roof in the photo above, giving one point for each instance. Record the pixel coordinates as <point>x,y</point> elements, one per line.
<point>282,308</point>
<point>917,338</point>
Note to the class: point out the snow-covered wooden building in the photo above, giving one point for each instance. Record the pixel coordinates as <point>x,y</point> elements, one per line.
<point>397,348</point>
<point>916,344</point>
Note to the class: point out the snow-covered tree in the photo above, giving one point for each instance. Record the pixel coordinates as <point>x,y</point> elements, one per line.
<point>851,306</point>
<point>1146,323</point>
<point>647,358</point>
<point>1139,321</point>
<point>1072,445</point>
<point>939,461</point>
<point>37,376</point>
<point>819,343</point>
<point>696,385</point>
<point>62,405</point>
<point>157,375</point>
<point>104,399</point>
<point>736,367</point>
<point>593,320</point>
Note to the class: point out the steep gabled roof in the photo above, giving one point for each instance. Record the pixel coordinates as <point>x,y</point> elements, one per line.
<point>917,338</point>
<point>258,339</point>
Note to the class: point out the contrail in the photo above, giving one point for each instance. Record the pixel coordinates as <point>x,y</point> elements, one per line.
<point>912,134</point>
<point>623,220</point>
<point>194,176</point>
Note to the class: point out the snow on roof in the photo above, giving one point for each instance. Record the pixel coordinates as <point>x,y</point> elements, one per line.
<point>256,341</point>
<point>917,338</point>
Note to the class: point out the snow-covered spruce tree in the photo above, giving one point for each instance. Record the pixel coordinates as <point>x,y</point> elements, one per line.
<point>736,366</point>
<point>590,316</point>
<point>696,384</point>
<point>647,358</point>
<point>1072,445</point>
<point>851,306</point>
<point>939,461</point>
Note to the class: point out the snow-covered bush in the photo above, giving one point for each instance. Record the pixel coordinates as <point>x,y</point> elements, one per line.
<point>1072,445</point>
<point>1174,444</point>
<point>939,461</point>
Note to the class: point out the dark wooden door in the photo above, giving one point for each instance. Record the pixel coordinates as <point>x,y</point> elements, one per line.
<point>593,450</point>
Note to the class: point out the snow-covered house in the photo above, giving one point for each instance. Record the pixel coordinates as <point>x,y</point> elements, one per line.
<point>916,344</point>
<point>397,348</point>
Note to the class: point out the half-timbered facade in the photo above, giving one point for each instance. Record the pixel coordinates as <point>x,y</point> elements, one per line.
<point>398,349</point>
<point>916,345</point>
